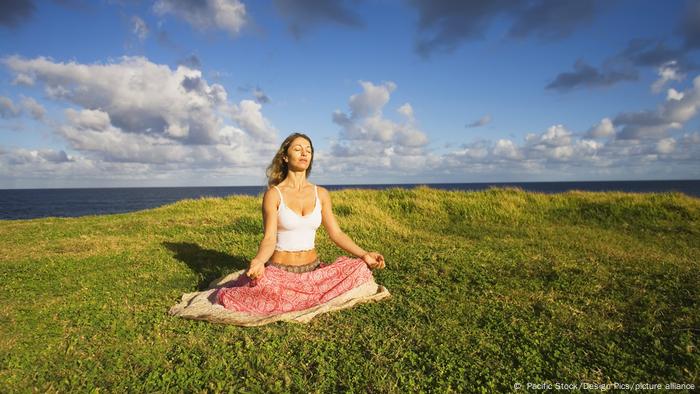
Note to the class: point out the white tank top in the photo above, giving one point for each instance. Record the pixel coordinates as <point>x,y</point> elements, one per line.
<point>296,232</point>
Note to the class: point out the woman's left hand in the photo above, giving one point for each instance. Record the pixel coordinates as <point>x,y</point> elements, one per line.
<point>374,260</point>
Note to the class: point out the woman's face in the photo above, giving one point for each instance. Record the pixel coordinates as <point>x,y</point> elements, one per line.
<point>299,153</point>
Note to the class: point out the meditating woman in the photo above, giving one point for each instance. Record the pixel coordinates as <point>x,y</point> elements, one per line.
<point>286,275</point>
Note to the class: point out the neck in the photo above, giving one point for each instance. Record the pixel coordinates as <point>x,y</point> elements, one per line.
<point>296,179</point>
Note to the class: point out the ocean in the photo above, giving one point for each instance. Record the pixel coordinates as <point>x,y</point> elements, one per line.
<point>37,203</point>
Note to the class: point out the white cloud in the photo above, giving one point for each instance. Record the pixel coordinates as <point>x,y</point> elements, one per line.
<point>666,146</point>
<point>371,101</point>
<point>141,96</point>
<point>558,151</point>
<point>136,114</point>
<point>366,121</point>
<point>656,124</point>
<point>603,129</point>
<point>28,156</point>
<point>556,135</point>
<point>506,149</point>
<point>407,111</point>
<point>673,94</point>
<point>90,131</point>
<point>228,15</point>
<point>88,119</point>
<point>667,72</point>
<point>476,150</point>
<point>369,141</point>
<point>247,114</point>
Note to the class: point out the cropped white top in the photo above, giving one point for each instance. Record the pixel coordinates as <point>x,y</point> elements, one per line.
<point>296,232</point>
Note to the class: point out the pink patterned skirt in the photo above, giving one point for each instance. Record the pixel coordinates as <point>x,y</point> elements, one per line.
<point>279,291</point>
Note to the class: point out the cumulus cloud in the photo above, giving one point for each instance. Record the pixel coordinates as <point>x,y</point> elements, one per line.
<point>13,13</point>
<point>28,156</point>
<point>247,114</point>
<point>673,94</point>
<point>443,25</point>
<point>647,142</point>
<point>556,135</point>
<point>667,72</point>
<point>558,144</point>
<point>507,150</point>
<point>484,120</point>
<point>367,122</point>
<point>91,131</point>
<point>603,129</point>
<point>655,124</point>
<point>139,96</point>
<point>666,146</point>
<point>554,148</point>
<point>369,141</point>
<point>228,15</point>
<point>304,14</point>
<point>137,112</point>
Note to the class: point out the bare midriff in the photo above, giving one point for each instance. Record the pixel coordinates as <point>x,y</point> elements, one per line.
<point>294,258</point>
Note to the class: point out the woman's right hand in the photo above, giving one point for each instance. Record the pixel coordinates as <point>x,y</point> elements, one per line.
<point>256,269</point>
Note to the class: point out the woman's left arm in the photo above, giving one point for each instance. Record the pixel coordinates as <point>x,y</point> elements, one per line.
<point>336,234</point>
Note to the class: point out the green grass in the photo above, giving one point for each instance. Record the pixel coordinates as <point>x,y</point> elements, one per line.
<point>488,288</point>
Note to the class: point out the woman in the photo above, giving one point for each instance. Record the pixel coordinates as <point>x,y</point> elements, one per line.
<point>286,273</point>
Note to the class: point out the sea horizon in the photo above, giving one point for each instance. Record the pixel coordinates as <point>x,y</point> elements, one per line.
<point>362,184</point>
<point>74,202</point>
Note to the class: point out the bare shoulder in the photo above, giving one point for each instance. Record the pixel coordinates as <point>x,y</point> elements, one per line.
<point>324,196</point>
<point>271,197</point>
<point>323,192</point>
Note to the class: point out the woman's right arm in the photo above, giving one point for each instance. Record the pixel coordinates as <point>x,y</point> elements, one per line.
<point>267,245</point>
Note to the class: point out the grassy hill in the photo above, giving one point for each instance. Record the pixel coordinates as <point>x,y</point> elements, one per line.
<point>489,288</point>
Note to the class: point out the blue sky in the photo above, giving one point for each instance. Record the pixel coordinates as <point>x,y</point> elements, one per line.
<point>192,93</point>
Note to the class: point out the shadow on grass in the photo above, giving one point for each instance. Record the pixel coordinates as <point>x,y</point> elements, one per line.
<point>206,263</point>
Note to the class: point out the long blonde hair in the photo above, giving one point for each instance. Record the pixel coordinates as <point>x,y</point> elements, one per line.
<point>277,170</point>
